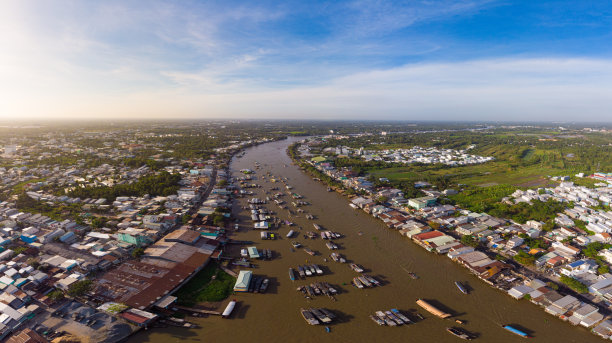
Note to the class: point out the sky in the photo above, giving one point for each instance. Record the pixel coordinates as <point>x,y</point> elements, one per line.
<point>365,59</point>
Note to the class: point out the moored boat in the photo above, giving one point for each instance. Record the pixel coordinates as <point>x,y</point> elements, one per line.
<point>291,274</point>
<point>356,268</point>
<point>228,310</point>
<point>309,317</point>
<point>394,318</point>
<point>459,333</point>
<point>316,226</point>
<point>377,320</point>
<point>401,316</point>
<point>318,269</point>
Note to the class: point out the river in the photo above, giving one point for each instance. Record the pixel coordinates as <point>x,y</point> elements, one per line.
<point>275,316</point>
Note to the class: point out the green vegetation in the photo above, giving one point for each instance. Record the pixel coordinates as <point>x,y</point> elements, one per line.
<point>56,295</point>
<point>552,285</point>
<point>162,184</point>
<point>210,284</point>
<point>522,212</point>
<point>482,199</point>
<point>524,258</point>
<point>80,288</point>
<point>19,249</point>
<point>136,253</point>
<point>469,240</point>
<point>574,284</point>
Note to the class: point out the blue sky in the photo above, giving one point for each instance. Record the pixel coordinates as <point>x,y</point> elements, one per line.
<point>474,60</point>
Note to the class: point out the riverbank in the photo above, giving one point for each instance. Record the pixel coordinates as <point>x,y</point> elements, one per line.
<point>501,282</point>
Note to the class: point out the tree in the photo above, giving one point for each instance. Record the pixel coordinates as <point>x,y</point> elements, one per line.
<point>469,240</point>
<point>80,288</point>
<point>524,258</point>
<point>136,253</point>
<point>186,218</point>
<point>98,222</point>
<point>56,295</point>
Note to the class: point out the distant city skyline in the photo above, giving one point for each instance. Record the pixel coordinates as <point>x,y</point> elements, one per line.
<point>378,60</point>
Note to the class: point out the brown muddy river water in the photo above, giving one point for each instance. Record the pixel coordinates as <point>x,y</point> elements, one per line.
<point>275,317</point>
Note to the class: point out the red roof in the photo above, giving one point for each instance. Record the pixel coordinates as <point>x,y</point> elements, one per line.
<point>428,235</point>
<point>134,318</point>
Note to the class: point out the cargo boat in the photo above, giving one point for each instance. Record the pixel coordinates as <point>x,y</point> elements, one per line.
<point>431,309</point>
<point>459,333</point>
<point>461,287</point>
<point>309,317</point>
<point>320,315</point>
<point>516,331</point>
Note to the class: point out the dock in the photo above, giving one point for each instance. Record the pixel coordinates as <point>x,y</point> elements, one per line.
<point>229,271</point>
<point>194,310</point>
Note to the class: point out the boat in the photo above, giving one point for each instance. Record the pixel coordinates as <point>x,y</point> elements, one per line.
<point>328,313</point>
<point>331,246</point>
<point>377,320</point>
<point>327,329</point>
<point>372,280</point>
<point>258,284</point>
<point>309,252</point>
<point>364,281</point>
<point>357,283</point>
<point>413,275</point>
<point>319,270</point>
<point>309,317</point>
<point>459,333</point>
<point>264,286</point>
<point>329,189</point>
<point>320,315</point>
<point>301,272</point>
<point>290,234</point>
<point>323,235</point>
<point>353,206</point>
<point>334,257</point>
<point>253,283</point>
<point>356,268</point>
<point>461,287</point>
<point>394,318</point>
<point>387,320</point>
<point>313,270</point>
<point>516,331</point>
<point>401,316</point>
<point>244,252</point>
<point>228,310</point>
<point>291,274</point>
<point>307,271</point>
<point>432,309</point>
<point>316,226</point>
<point>296,244</point>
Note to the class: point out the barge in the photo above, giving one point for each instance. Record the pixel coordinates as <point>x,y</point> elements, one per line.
<point>432,309</point>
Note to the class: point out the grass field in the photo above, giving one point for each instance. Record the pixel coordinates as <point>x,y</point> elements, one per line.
<point>210,284</point>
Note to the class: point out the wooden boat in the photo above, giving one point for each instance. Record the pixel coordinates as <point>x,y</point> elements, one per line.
<point>291,274</point>
<point>356,268</point>
<point>377,320</point>
<point>386,319</point>
<point>459,333</point>
<point>309,317</point>
<point>394,318</point>
<point>309,252</point>
<point>401,316</point>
